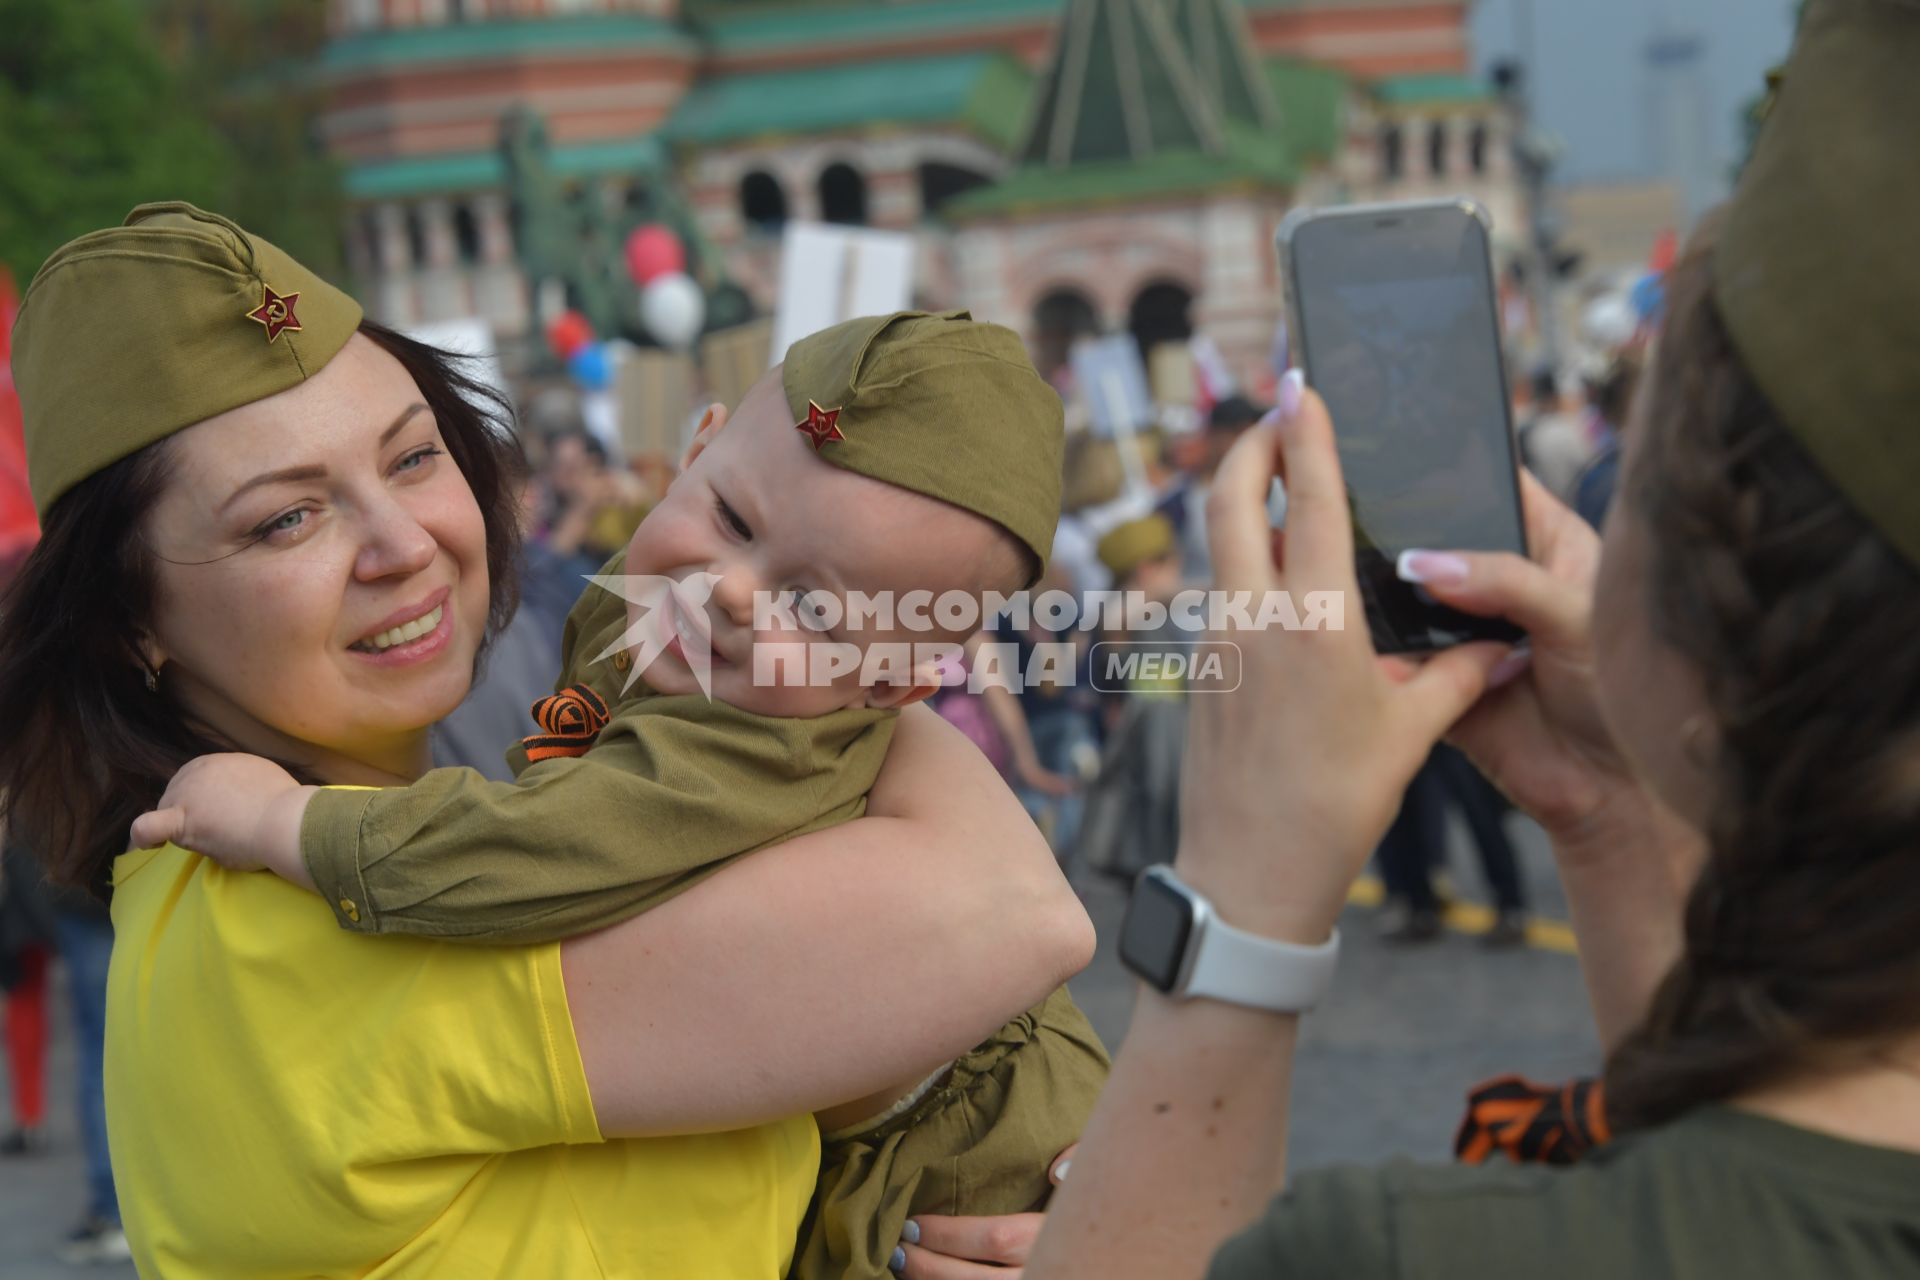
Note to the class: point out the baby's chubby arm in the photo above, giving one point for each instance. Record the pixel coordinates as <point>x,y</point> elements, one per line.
<point>241,811</point>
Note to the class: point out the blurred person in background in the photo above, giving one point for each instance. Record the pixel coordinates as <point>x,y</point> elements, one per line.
<point>1592,492</point>
<point>26,946</point>
<point>1058,714</point>
<point>1184,501</point>
<point>1553,439</point>
<point>1132,813</point>
<point>84,932</point>
<point>1414,849</point>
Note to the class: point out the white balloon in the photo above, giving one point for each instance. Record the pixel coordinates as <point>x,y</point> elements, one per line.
<point>1610,321</point>
<point>673,309</point>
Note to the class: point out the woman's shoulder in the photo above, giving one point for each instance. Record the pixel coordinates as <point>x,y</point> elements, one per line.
<point>1717,1192</point>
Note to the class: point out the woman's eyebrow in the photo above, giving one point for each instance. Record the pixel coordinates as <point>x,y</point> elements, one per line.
<point>287,475</point>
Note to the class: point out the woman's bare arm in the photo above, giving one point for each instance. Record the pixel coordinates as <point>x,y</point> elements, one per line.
<point>832,966</point>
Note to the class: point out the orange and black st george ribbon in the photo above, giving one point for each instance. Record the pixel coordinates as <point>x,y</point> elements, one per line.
<point>569,722</point>
<point>1532,1124</point>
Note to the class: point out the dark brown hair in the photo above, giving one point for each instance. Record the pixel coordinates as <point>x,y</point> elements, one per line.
<point>88,748</point>
<point>1802,936</point>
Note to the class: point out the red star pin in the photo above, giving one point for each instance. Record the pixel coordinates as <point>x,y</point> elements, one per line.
<point>275,312</point>
<point>821,426</point>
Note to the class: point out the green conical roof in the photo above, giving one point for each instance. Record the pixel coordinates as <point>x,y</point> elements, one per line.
<point>1120,88</point>
<point>1219,48</point>
<point>1126,111</point>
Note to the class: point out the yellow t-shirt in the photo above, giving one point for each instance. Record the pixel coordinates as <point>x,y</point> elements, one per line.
<point>286,1099</point>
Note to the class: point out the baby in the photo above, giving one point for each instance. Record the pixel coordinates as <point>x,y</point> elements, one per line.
<point>896,454</point>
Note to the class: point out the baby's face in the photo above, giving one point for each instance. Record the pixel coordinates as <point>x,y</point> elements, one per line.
<point>757,508</point>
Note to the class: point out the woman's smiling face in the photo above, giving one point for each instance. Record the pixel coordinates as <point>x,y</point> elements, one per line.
<point>321,585</point>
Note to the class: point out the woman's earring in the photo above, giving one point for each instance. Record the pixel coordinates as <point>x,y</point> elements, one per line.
<point>153,680</point>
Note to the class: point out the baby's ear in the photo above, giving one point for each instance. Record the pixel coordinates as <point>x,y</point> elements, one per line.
<point>710,423</point>
<point>923,684</point>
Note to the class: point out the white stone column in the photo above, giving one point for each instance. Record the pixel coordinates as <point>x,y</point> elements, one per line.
<point>802,185</point>
<point>442,292</point>
<point>1239,303</point>
<point>980,276</point>
<point>392,284</point>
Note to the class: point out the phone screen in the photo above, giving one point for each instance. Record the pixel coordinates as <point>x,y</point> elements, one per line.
<point>1398,333</point>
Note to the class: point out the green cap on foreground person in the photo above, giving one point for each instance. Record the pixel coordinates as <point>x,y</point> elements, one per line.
<point>1714,726</point>
<point>141,330</point>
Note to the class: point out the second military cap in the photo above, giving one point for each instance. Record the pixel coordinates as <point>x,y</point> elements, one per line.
<point>940,404</point>
<point>1815,273</point>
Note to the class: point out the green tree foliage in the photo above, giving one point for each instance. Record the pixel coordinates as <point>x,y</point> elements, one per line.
<point>105,104</point>
<point>91,124</point>
<point>249,68</point>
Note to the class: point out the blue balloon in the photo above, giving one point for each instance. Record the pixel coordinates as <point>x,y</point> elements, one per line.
<point>590,367</point>
<point>1649,296</point>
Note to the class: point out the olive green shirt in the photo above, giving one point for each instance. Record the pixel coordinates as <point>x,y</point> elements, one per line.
<point>671,790</point>
<point>1718,1193</point>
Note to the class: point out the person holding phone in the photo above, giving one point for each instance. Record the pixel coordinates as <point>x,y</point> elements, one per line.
<point>1715,724</point>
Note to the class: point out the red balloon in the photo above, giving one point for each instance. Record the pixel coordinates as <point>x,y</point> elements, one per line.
<point>569,332</point>
<point>654,251</point>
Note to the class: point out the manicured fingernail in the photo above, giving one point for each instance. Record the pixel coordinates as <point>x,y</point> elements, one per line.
<point>1430,567</point>
<point>1291,388</point>
<point>910,1232</point>
<point>1510,668</point>
<point>898,1262</point>
<point>1060,1170</point>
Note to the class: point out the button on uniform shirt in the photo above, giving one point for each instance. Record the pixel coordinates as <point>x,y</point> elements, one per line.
<point>285,1098</point>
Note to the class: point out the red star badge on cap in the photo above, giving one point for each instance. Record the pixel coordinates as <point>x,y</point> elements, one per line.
<point>821,426</point>
<point>275,312</point>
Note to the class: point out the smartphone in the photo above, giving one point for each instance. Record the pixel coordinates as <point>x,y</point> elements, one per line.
<point>1394,318</point>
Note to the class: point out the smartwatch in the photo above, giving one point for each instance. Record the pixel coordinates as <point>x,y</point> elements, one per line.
<point>1173,939</point>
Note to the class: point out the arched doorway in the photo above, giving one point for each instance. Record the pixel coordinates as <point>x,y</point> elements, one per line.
<point>1162,312</point>
<point>843,195</point>
<point>763,202</point>
<point>1060,319</point>
<point>1393,160</point>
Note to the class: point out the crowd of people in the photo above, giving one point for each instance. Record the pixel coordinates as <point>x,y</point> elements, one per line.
<point>368,1017</point>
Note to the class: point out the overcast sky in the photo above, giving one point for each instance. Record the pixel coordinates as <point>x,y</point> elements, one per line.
<point>1592,85</point>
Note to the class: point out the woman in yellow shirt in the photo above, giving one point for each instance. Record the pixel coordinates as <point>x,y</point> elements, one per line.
<point>242,485</point>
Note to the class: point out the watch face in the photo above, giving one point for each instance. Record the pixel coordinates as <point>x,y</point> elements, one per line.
<point>1153,938</point>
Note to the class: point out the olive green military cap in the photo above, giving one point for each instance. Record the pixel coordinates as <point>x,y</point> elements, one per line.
<point>1130,545</point>
<point>1815,271</point>
<point>940,404</point>
<point>130,334</point>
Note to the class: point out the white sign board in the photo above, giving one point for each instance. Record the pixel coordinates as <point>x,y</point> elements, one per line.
<point>831,273</point>
<point>1112,379</point>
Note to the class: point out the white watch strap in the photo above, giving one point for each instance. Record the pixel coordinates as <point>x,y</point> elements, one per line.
<point>1244,968</point>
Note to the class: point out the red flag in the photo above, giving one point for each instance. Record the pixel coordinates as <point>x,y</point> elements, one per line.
<point>19,528</point>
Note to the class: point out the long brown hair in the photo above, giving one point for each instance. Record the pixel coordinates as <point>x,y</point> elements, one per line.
<point>1803,932</point>
<point>87,747</point>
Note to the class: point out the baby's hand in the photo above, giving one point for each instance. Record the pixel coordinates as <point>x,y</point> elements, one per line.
<point>239,810</point>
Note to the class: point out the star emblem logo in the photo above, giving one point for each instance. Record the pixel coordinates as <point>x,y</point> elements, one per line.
<point>821,426</point>
<point>275,312</point>
<point>667,610</point>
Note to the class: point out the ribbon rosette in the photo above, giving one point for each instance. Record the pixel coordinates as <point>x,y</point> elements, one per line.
<point>569,722</point>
